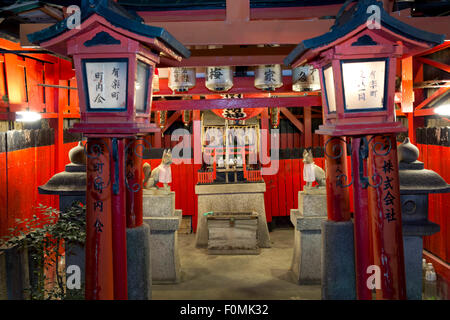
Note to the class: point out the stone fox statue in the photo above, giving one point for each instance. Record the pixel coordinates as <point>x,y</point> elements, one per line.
<point>161,173</point>
<point>311,171</point>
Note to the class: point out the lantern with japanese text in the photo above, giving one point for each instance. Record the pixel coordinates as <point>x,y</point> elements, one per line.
<point>305,78</point>
<point>268,77</point>
<point>357,66</point>
<point>114,67</point>
<point>115,55</point>
<point>357,62</point>
<point>219,79</point>
<point>181,79</point>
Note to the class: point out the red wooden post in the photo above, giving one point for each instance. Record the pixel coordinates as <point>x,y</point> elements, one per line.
<point>99,260</point>
<point>363,246</point>
<point>385,215</point>
<point>134,154</point>
<point>307,124</point>
<point>338,179</point>
<point>119,237</point>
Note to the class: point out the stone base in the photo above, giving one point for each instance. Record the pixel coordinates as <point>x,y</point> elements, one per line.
<point>158,204</point>
<point>232,197</point>
<point>76,255</point>
<point>165,259</point>
<point>15,280</point>
<point>338,261</point>
<point>306,260</point>
<point>412,247</point>
<point>139,275</point>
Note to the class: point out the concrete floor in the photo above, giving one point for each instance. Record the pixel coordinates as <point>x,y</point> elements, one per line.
<point>251,277</point>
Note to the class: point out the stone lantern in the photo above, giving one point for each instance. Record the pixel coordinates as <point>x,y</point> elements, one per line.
<point>70,186</point>
<point>415,185</point>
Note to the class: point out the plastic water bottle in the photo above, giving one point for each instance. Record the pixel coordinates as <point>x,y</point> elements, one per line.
<point>424,269</point>
<point>430,290</point>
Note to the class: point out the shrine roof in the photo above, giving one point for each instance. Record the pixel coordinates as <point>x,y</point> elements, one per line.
<point>118,17</point>
<point>353,18</point>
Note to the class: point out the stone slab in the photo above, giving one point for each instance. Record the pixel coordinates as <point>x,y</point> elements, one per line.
<point>165,261</point>
<point>3,286</point>
<point>219,188</point>
<point>240,235</point>
<point>307,219</point>
<point>234,201</point>
<point>312,204</point>
<point>158,205</point>
<point>76,255</point>
<point>412,247</point>
<point>163,223</point>
<point>139,273</point>
<point>338,261</point>
<point>17,273</point>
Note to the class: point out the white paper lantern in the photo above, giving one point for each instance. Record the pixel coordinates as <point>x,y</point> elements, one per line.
<point>268,77</point>
<point>181,79</point>
<point>305,78</point>
<point>219,79</point>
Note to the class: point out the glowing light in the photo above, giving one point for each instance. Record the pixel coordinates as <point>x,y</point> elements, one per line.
<point>27,116</point>
<point>443,110</point>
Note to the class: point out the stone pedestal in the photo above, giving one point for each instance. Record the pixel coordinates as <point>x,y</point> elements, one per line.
<point>139,273</point>
<point>14,274</point>
<point>162,218</point>
<point>307,219</point>
<point>338,261</point>
<point>231,197</point>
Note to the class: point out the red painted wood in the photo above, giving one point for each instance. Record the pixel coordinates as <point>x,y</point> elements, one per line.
<point>206,104</point>
<point>134,174</point>
<point>99,254</point>
<point>386,228</point>
<point>336,171</point>
<point>288,163</point>
<point>362,228</point>
<point>119,223</point>
<point>3,194</point>
<point>296,180</point>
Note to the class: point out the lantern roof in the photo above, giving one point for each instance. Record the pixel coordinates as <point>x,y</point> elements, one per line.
<point>119,18</point>
<point>347,22</point>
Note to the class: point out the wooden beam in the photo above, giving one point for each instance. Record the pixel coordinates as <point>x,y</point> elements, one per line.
<point>435,64</point>
<point>407,85</point>
<point>171,120</point>
<point>231,56</point>
<point>254,32</point>
<point>436,94</point>
<point>208,104</point>
<point>293,119</point>
<point>308,128</point>
<point>241,85</point>
<point>440,47</point>
<point>425,112</point>
<point>237,10</point>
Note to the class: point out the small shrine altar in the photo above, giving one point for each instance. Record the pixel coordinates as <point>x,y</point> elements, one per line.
<point>230,179</point>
